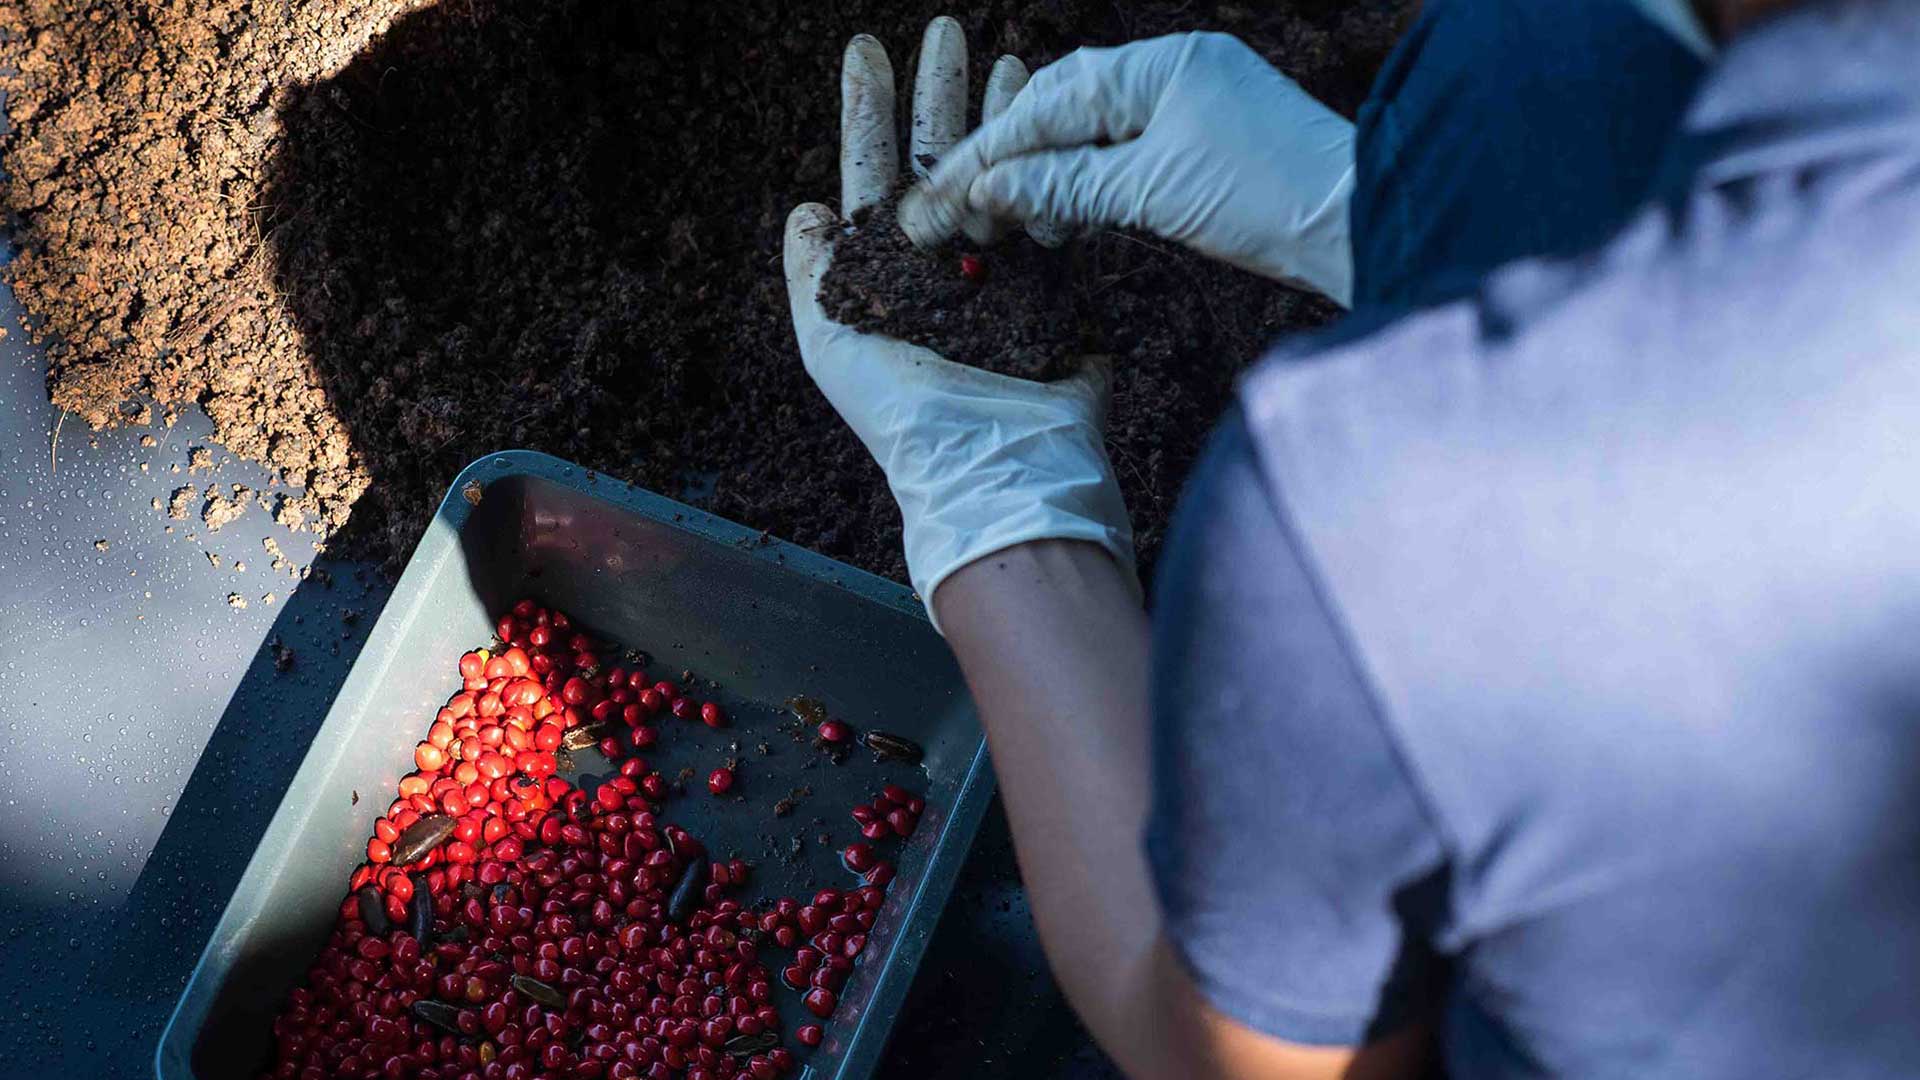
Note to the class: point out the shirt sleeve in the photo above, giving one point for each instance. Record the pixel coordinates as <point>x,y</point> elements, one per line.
<point>1297,872</point>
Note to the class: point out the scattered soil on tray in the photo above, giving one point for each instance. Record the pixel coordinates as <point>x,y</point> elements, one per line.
<point>1017,313</point>
<point>375,239</point>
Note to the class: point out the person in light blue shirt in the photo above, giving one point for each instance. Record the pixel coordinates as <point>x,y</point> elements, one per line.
<point>1532,685</point>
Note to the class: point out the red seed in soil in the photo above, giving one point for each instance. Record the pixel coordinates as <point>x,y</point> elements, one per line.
<point>720,781</point>
<point>973,269</point>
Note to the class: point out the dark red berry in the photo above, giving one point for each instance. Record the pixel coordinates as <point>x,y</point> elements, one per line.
<point>712,715</point>
<point>973,269</point>
<point>810,1034</point>
<point>834,731</point>
<point>859,857</point>
<point>901,822</point>
<point>720,781</point>
<point>819,1001</point>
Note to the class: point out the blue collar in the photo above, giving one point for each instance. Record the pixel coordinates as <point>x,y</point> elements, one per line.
<point>1825,82</point>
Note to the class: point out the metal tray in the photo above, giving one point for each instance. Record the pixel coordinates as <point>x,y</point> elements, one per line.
<point>765,619</point>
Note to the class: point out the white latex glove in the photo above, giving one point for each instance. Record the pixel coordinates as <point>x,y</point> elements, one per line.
<point>1193,137</point>
<point>977,461</point>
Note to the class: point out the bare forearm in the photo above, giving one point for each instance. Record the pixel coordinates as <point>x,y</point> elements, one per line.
<point>1054,647</point>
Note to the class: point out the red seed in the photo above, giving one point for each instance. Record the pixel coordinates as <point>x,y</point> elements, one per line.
<point>429,757</point>
<point>712,715</point>
<point>810,1034</point>
<point>896,794</point>
<point>859,857</point>
<point>973,269</point>
<point>720,780</point>
<point>834,731</point>
<point>685,708</point>
<point>901,822</point>
<point>819,1001</point>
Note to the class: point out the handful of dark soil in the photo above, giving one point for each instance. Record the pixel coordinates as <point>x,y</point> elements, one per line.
<point>1010,308</point>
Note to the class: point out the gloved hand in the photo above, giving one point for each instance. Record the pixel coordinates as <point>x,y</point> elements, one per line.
<point>1193,137</point>
<point>977,461</point>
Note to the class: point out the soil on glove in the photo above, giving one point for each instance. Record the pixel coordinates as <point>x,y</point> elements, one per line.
<point>1009,308</point>
<point>375,239</point>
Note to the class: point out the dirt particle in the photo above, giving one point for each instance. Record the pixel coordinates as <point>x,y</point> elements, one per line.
<point>199,459</point>
<point>101,545</point>
<point>235,600</point>
<point>222,509</point>
<point>180,503</point>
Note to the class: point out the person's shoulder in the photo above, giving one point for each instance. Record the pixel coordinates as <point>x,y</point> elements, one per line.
<point>1508,369</point>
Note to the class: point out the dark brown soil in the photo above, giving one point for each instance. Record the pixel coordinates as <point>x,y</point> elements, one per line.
<point>375,239</point>
<point>1017,314</point>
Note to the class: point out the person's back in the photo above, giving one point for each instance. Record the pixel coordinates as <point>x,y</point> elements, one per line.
<point>1624,556</point>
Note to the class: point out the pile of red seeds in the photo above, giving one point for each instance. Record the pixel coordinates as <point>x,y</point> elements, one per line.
<point>536,931</point>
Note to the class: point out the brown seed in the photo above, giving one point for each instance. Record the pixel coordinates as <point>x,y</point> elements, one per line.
<point>538,991</point>
<point>752,1044</point>
<point>584,736</point>
<point>421,837</point>
<point>809,710</point>
<point>439,1014</point>
<point>689,891</point>
<point>894,747</point>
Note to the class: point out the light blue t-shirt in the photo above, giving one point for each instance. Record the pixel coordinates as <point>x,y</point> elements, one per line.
<point>1546,665</point>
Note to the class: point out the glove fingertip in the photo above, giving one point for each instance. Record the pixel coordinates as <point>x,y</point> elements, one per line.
<point>805,252</point>
<point>810,232</point>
